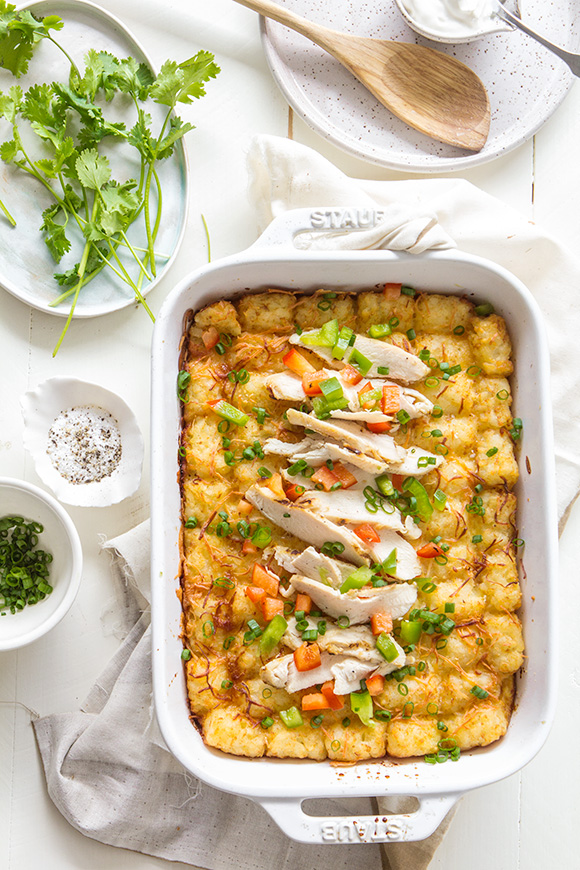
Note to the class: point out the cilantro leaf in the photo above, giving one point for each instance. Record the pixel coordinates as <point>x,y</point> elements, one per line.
<point>177,129</point>
<point>54,232</point>
<point>92,169</point>
<point>180,83</point>
<point>11,103</point>
<point>20,31</point>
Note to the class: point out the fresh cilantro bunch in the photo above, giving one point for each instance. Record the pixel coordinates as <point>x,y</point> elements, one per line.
<point>70,121</point>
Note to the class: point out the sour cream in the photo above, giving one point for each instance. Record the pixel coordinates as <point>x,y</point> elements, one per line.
<point>451,18</point>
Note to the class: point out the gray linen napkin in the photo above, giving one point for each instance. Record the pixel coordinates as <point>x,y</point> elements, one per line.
<point>111,777</point>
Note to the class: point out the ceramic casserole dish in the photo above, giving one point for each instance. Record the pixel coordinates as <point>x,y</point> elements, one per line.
<point>280,785</point>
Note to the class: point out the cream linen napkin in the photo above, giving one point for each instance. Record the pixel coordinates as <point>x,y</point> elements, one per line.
<point>106,767</point>
<point>111,777</point>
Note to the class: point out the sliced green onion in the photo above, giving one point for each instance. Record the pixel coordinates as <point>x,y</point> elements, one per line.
<point>262,537</point>
<point>411,334</point>
<point>382,370</point>
<point>267,722</point>
<point>191,523</point>
<point>186,655</point>
<point>479,692</point>
<point>183,381</point>
<point>492,451</point>
<point>484,310</point>
<point>439,499</point>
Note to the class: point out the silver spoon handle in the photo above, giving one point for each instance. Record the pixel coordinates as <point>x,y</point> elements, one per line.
<point>573,60</point>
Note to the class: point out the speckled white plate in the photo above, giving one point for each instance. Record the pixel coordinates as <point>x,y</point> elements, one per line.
<point>26,266</point>
<point>525,82</point>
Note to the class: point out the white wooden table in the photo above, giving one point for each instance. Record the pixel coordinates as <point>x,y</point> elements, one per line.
<point>527,821</point>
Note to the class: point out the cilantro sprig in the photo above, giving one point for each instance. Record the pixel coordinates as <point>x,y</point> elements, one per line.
<point>91,209</point>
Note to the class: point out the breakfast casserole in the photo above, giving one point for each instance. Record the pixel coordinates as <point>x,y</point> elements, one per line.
<point>349,551</point>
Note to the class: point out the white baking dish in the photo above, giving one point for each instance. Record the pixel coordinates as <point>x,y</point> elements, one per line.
<point>280,785</point>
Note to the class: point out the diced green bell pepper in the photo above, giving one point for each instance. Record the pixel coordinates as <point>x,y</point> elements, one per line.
<point>360,361</point>
<point>361,703</point>
<point>387,647</point>
<point>411,630</point>
<point>359,578</point>
<point>331,389</point>
<point>272,634</point>
<point>380,330</point>
<point>326,336</point>
<point>228,412</point>
<point>292,718</point>
<point>344,341</point>
<point>322,407</point>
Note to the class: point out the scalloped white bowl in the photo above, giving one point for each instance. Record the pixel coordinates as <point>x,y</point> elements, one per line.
<point>60,537</point>
<point>40,408</point>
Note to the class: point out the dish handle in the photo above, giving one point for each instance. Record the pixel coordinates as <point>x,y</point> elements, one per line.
<point>349,830</point>
<point>353,228</point>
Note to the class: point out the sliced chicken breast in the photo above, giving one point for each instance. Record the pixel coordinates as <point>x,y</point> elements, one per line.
<point>348,506</point>
<point>402,365</point>
<point>358,604</point>
<point>350,435</point>
<point>311,563</point>
<point>308,527</point>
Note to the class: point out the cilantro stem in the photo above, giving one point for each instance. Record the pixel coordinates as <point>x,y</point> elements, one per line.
<point>70,316</point>
<point>206,228</point>
<point>7,213</point>
<point>66,54</point>
<point>133,251</point>
<point>131,283</point>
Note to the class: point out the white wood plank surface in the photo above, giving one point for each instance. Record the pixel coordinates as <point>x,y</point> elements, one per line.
<point>526,822</point>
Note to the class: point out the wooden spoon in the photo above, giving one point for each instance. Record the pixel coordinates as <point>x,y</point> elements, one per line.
<point>428,90</point>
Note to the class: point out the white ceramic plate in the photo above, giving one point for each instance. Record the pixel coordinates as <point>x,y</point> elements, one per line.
<point>26,266</point>
<point>525,82</point>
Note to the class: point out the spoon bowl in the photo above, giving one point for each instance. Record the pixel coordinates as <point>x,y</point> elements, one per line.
<point>428,90</point>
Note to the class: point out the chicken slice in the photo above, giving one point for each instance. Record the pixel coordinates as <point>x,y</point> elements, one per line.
<point>403,366</point>
<point>287,448</point>
<point>358,604</point>
<point>407,562</point>
<point>311,563</point>
<point>350,435</point>
<point>308,527</point>
<point>348,506</point>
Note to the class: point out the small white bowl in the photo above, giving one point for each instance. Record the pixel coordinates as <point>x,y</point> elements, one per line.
<point>61,539</point>
<point>494,25</point>
<point>40,409</point>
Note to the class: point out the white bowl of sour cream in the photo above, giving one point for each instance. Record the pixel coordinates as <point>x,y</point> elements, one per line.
<point>452,21</point>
